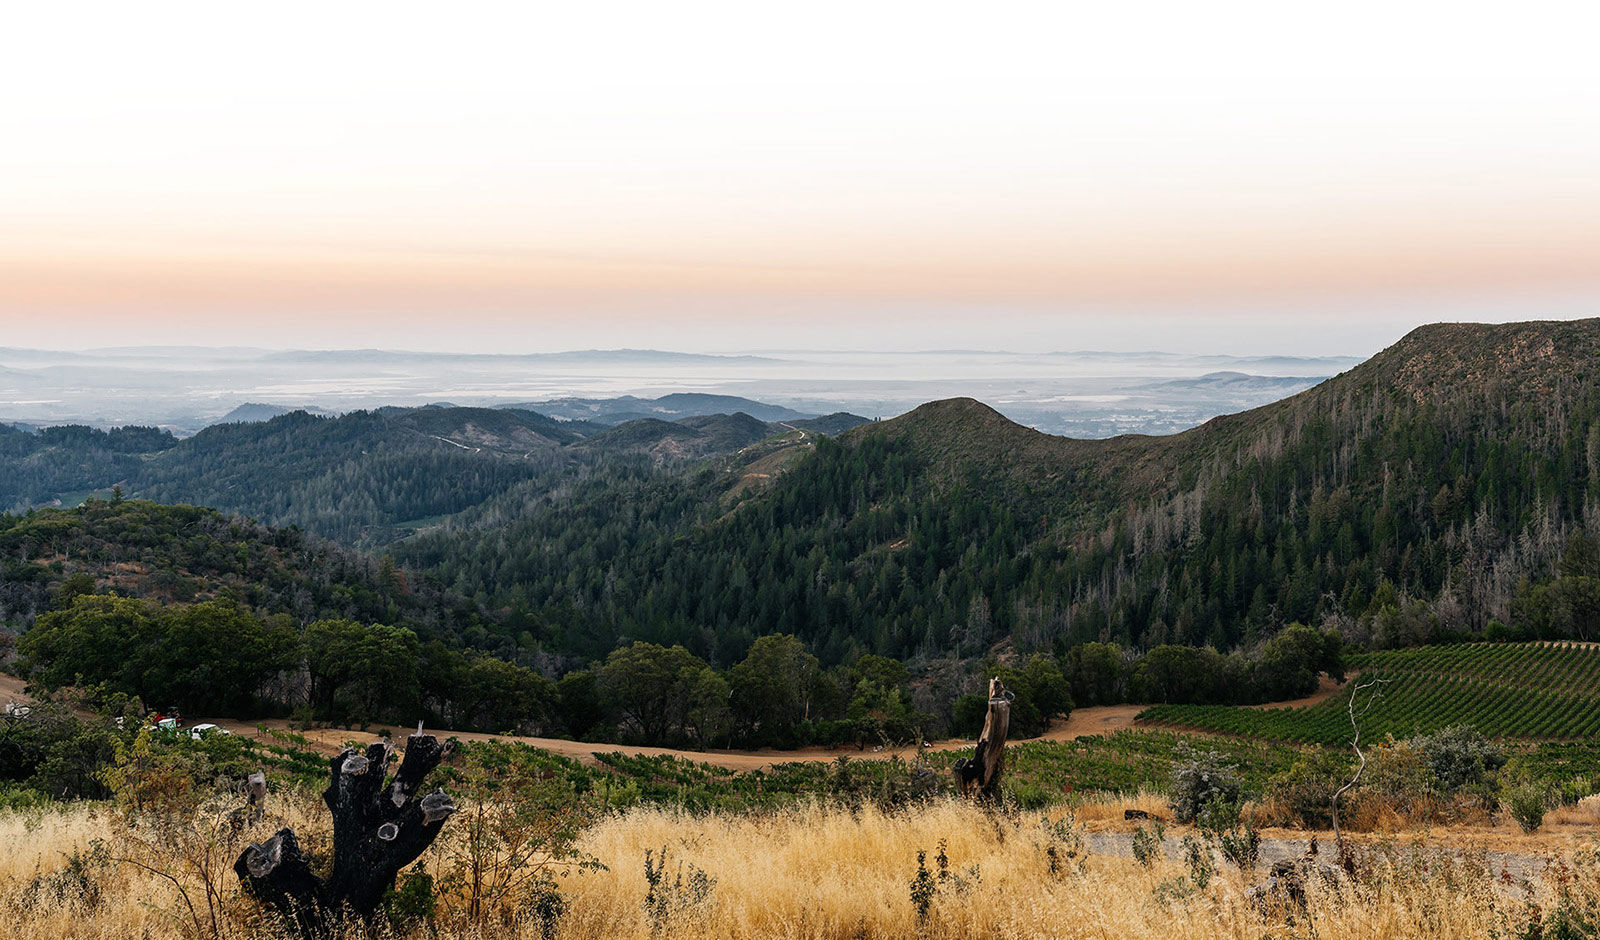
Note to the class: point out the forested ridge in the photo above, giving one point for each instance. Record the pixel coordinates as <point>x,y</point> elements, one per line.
<point>1444,490</point>
<point>362,479</point>
<point>187,554</point>
<point>1423,494</point>
<point>71,457</point>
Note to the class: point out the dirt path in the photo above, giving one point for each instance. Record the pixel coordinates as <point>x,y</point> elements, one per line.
<point>1082,722</point>
<point>11,689</point>
<point>1326,688</point>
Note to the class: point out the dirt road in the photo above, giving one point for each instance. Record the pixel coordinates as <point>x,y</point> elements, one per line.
<point>11,689</point>
<point>1082,722</point>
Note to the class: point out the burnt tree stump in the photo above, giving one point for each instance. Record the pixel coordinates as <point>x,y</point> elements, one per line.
<point>379,827</point>
<point>979,775</point>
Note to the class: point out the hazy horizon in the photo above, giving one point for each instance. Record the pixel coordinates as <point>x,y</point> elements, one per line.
<point>1085,394</point>
<point>1244,178</point>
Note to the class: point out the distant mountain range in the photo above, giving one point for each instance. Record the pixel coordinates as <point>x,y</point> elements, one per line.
<point>184,389</point>
<point>1419,495</point>
<point>1213,383</point>
<point>570,356</point>
<point>252,411</point>
<point>676,405</point>
<point>602,411</point>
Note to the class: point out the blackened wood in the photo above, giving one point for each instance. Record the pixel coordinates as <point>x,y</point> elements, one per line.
<point>278,874</point>
<point>379,827</point>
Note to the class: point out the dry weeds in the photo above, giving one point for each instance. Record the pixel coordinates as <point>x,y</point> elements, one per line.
<point>829,872</point>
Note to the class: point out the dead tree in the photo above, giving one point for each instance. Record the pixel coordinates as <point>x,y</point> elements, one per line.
<point>979,775</point>
<point>378,829</point>
<point>255,791</point>
<point>1355,743</point>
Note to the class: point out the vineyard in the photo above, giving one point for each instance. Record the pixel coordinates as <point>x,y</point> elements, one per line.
<point>1040,773</point>
<point>1532,691</point>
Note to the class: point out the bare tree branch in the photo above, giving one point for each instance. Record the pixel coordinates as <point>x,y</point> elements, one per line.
<point>1355,744</point>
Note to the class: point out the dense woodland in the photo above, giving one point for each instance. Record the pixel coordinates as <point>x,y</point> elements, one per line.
<point>1408,500</point>
<point>691,582</point>
<point>362,479</point>
<point>190,611</point>
<point>36,465</point>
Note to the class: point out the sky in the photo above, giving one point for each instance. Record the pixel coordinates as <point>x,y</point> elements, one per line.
<point>1217,177</point>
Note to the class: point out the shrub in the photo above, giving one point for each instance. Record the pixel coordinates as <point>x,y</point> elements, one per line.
<point>1234,833</point>
<point>1064,845</point>
<point>411,901</point>
<point>1460,759</point>
<point>1241,845</point>
<point>665,899</point>
<point>922,887</point>
<point>1199,779</point>
<point>1398,779</point>
<point>1304,792</point>
<point>1149,845</point>
<point>1197,857</point>
<point>76,885</point>
<point>1527,804</point>
<point>546,906</point>
<point>970,710</point>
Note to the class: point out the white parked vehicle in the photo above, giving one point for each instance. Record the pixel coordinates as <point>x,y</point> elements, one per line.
<point>200,731</point>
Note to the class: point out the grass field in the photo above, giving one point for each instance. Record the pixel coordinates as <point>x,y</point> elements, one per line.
<point>836,849</point>
<point>1532,691</point>
<point>820,872</point>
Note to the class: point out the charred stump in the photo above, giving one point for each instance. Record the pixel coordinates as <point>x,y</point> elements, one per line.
<point>979,775</point>
<point>379,827</point>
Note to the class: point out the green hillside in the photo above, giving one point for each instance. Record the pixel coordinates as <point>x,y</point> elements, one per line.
<point>684,439</point>
<point>365,478</point>
<point>186,554</point>
<point>1412,499</point>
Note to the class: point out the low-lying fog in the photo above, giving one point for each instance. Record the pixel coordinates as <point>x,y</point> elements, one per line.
<point>1081,394</point>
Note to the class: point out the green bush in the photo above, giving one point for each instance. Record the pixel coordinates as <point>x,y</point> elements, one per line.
<point>411,901</point>
<point>1150,845</point>
<point>1305,791</point>
<point>1460,758</point>
<point>1199,780</point>
<point>1527,804</point>
<point>1398,774</point>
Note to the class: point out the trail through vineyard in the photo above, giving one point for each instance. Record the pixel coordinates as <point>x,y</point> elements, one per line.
<point>1083,722</point>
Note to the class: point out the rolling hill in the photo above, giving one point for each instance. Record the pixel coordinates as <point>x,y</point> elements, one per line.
<point>1403,500</point>
<point>364,478</point>
<point>251,412</point>
<point>667,407</point>
<point>186,554</point>
<point>1542,691</point>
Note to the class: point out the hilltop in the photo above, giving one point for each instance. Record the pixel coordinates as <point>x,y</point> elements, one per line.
<point>187,554</point>
<point>363,478</point>
<point>1404,499</point>
<point>252,412</point>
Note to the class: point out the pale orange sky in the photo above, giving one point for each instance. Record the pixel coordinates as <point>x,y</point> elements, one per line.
<point>719,176</point>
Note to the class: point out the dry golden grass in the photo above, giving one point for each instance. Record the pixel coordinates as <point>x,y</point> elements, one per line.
<point>1109,810</point>
<point>828,872</point>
